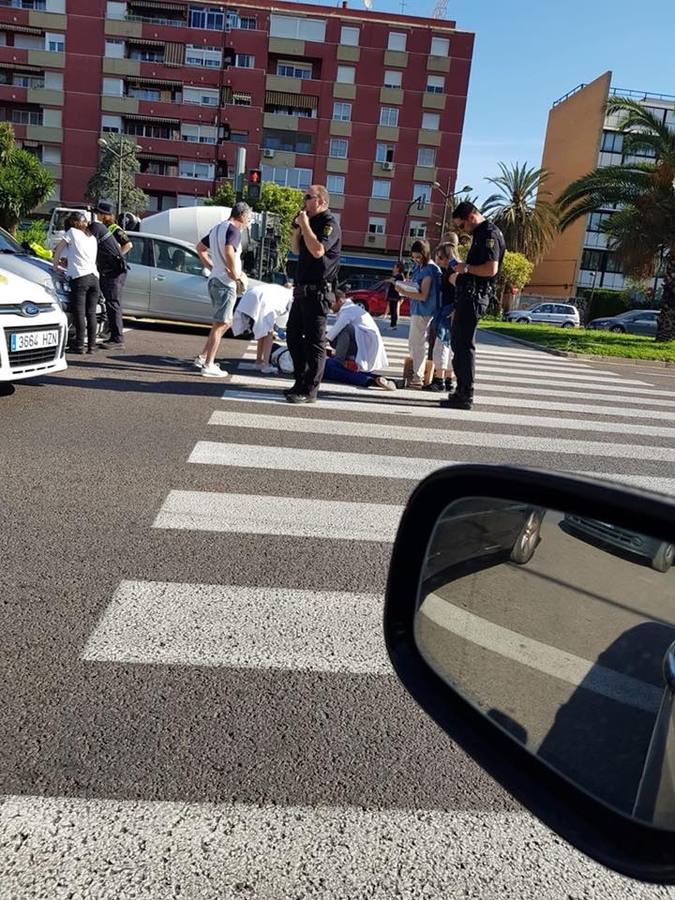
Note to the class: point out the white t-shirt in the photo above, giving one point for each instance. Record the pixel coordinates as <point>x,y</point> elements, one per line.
<point>81,253</point>
<point>224,234</point>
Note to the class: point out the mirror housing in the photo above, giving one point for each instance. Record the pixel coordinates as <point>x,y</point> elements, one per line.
<point>625,845</point>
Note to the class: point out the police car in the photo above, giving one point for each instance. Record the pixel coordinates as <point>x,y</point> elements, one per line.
<point>33,329</point>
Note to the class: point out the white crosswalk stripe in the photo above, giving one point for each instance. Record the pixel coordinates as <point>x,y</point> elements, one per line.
<point>551,412</point>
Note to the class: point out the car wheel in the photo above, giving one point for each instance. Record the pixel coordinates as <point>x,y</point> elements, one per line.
<point>663,558</point>
<point>568,324</point>
<point>523,321</point>
<point>618,329</point>
<point>528,540</point>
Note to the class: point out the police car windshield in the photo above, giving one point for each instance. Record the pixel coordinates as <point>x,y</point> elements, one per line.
<point>8,244</point>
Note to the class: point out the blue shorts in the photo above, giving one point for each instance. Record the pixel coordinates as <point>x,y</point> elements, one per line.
<point>223,297</point>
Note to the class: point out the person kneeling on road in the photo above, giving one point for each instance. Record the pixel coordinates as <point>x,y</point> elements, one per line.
<point>260,308</point>
<point>357,342</point>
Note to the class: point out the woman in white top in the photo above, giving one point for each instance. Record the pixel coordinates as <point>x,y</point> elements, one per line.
<point>80,247</point>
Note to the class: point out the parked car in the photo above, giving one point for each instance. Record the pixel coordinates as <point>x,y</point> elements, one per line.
<point>359,282</point>
<point>634,321</point>
<point>374,300</point>
<point>33,329</point>
<point>659,554</point>
<point>563,314</point>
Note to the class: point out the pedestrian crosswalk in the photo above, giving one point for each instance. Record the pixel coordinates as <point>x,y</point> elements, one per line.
<point>531,409</point>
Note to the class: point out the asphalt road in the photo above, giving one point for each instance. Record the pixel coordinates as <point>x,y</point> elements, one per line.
<point>194,696</point>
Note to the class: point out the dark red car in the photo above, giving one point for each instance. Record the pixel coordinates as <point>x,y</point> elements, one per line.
<point>374,300</point>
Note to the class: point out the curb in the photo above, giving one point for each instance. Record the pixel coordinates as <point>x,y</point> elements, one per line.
<point>570,354</point>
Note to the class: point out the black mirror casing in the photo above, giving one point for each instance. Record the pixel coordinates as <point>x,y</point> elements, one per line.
<point>627,846</point>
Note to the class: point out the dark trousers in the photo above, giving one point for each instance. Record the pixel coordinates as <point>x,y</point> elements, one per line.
<point>306,338</point>
<point>393,312</point>
<point>111,288</point>
<point>463,344</point>
<point>345,344</point>
<point>84,294</point>
<point>335,371</point>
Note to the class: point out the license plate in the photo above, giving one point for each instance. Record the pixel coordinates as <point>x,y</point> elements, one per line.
<point>33,340</point>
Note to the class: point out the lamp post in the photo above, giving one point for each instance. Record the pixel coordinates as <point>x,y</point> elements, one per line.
<point>420,205</point>
<point>447,196</point>
<point>119,155</point>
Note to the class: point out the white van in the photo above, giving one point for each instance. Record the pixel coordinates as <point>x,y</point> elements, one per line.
<point>33,329</point>
<point>55,229</point>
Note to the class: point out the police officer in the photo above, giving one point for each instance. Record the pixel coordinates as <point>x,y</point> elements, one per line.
<point>113,245</point>
<point>474,288</point>
<point>317,240</point>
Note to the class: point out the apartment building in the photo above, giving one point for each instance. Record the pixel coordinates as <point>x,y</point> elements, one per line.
<point>371,104</point>
<point>580,137</point>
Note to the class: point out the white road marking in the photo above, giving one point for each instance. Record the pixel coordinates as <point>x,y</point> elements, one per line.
<point>287,516</point>
<point>165,623</point>
<point>544,658</point>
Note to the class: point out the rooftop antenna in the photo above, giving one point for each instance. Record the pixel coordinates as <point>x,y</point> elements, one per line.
<point>368,4</point>
<point>440,10</point>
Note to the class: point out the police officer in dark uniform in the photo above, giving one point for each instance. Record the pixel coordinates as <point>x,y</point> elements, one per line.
<point>113,244</point>
<point>317,240</point>
<point>474,288</point>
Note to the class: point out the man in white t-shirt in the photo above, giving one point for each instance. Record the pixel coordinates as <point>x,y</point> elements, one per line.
<point>220,251</point>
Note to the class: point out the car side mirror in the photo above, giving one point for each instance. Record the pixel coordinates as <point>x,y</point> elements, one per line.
<point>533,617</point>
<point>206,272</point>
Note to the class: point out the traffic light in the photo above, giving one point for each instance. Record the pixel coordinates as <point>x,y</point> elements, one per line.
<point>254,182</point>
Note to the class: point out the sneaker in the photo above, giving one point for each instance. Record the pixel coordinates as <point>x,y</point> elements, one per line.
<point>437,386</point>
<point>213,371</point>
<point>112,345</point>
<point>268,369</point>
<point>300,398</point>
<point>293,390</point>
<point>384,383</point>
<point>199,361</point>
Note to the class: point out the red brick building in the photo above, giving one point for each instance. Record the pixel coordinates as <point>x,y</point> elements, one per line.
<point>371,104</point>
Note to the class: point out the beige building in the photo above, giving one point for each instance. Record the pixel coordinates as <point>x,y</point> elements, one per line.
<point>579,138</point>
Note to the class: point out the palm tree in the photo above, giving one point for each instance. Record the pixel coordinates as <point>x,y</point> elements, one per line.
<point>641,194</point>
<point>526,217</point>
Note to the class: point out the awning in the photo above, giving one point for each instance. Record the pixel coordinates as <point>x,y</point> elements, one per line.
<point>174,55</point>
<point>158,4</point>
<point>299,101</point>
<point>161,82</point>
<point>151,120</point>
<point>156,157</point>
<point>20,67</point>
<point>238,95</point>
<point>20,29</point>
<point>144,42</point>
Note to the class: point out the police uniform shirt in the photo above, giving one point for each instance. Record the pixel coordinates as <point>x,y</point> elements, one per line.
<point>327,230</point>
<point>487,245</point>
<point>108,250</point>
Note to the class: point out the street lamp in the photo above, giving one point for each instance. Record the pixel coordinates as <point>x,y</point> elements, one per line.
<point>420,205</point>
<point>119,155</point>
<point>447,196</point>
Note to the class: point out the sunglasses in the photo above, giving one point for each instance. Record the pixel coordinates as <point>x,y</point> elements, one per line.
<point>312,197</point>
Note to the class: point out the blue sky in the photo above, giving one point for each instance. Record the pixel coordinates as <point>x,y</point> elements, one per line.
<point>527,54</point>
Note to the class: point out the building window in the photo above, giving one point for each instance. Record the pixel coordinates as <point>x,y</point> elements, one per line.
<point>338,148</point>
<point>612,142</point>
<point>244,61</point>
<point>346,74</point>
<point>384,153</point>
<point>287,177</point>
<point>113,87</point>
<point>239,137</point>
<point>248,23</point>
<point>240,99</point>
<point>393,79</point>
<point>426,156</point>
<point>389,116</point>
<point>55,43</point>
<point>141,93</point>
<point>297,27</point>
<point>300,111</point>
<point>435,84</point>
<point>349,37</point>
<point>397,40</point>
<point>335,184</point>
<point>209,57</point>
<point>342,112</point>
<point>431,121</point>
<point>114,49</point>
<point>26,117</point>
<point>294,70</point>
<point>148,54</point>
<point>440,46</point>
<point>111,124</point>
<point>381,189</point>
<point>376,225</point>
<point>198,134</point>
<point>290,141</point>
<point>422,190</point>
<point>203,17</point>
<point>191,168</point>
<point>200,96</point>
<point>418,230</point>
<point>596,220</point>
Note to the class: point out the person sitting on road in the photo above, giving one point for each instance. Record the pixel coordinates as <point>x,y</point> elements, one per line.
<point>357,347</point>
<point>259,309</point>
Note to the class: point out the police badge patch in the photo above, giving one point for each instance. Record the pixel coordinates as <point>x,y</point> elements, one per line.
<point>490,243</point>
<point>328,230</point>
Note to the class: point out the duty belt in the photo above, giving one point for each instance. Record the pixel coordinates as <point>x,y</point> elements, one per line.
<point>315,286</point>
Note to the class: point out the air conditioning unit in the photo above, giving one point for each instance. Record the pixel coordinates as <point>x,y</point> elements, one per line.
<point>268,154</point>
<point>388,166</point>
<point>371,238</point>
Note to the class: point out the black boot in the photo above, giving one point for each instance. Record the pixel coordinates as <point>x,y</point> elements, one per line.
<point>456,401</point>
<point>437,386</point>
<point>449,386</point>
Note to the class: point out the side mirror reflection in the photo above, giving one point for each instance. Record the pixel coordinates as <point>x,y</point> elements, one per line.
<point>561,630</point>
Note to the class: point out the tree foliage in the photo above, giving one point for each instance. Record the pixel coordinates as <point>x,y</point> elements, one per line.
<point>24,182</point>
<point>640,194</point>
<point>224,196</point>
<point>285,203</point>
<point>522,211</point>
<point>516,270</point>
<point>104,183</point>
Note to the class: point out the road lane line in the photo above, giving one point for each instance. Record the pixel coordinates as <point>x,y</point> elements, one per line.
<point>167,623</point>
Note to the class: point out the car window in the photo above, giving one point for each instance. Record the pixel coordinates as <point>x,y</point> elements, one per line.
<point>140,253</point>
<point>544,308</point>
<point>175,258</point>
<point>8,244</point>
<point>566,310</point>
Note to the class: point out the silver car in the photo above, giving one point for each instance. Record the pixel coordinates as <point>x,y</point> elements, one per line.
<point>635,321</point>
<point>563,314</point>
